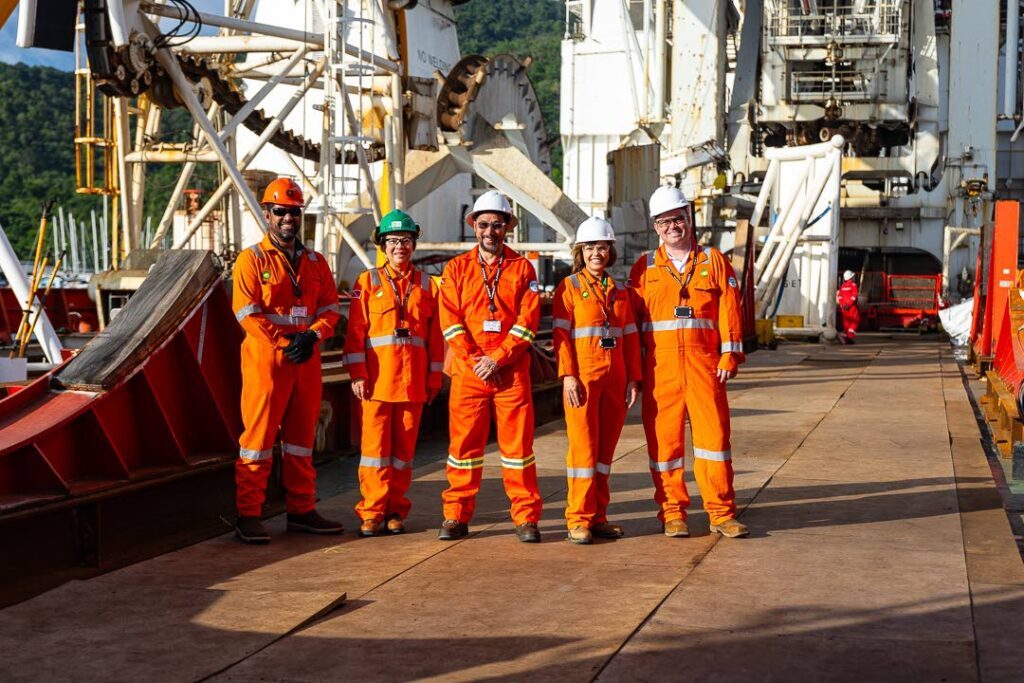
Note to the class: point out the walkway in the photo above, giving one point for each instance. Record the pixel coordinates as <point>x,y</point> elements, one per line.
<point>880,551</point>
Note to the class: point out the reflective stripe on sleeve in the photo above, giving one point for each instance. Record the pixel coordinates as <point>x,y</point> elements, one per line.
<point>454,331</point>
<point>279,319</point>
<point>436,366</point>
<point>249,454</point>
<point>353,358</point>
<point>397,464</point>
<point>516,463</point>
<point>603,469</point>
<point>247,310</point>
<point>522,333</point>
<point>717,456</point>
<point>374,277</point>
<point>629,329</point>
<point>366,461</point>
<point>467,464</point>
<point>332,307</point>
<point>732,347</point>
<point>292,449</point>
<point>667,466</point>
<point>256,251</point>
<point>580,472</point>
<point>678,324</point>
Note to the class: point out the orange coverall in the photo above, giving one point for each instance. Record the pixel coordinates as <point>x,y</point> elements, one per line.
<point>681,357</point>
<point>577,327</point>
<point>398,371</point>
<point>277,393</point>
<point>464,312</point>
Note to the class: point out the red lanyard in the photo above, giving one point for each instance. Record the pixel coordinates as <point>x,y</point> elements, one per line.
<point>491,288</point>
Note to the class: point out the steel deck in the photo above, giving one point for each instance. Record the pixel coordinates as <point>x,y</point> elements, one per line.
<point>880,551</point>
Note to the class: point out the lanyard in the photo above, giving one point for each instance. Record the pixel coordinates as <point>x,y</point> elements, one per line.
<point>602,300</point>
<point>296,290</point>
<point>402,303</point>
<point>491,288</point>
<point>691,267</point>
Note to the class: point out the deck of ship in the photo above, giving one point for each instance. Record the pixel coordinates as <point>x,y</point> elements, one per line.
<point>880,550</point>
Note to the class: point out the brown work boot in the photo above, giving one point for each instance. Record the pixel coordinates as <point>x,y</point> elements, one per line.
<point>369,527</point>
<point>395,525</point>
<point>607,530</point>
<point>452,530</point>
<point>312,523</point>
<point>527,532</point>
<point>730,528</point>
<point>251,530</point>
<point>580,535</point>
<point>675,528</point>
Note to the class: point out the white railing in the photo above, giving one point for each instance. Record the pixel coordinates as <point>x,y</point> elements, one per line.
<point>846,21</point>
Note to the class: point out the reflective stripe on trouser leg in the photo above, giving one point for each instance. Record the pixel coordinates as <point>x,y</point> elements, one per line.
<point>469,424</point>
<point>712,462</point>
<point>298,428</point>
<point>405,427</point>
<point>266,390</point>
<point>613,416</point>
<point>664,414</point>
<point>375,452</point>
<point>513,408</point>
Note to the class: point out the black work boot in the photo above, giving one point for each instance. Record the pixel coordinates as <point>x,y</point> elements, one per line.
<point>452,530</point>
<point>312,523</point>
<point>528,532</point>
<point>249,529</point>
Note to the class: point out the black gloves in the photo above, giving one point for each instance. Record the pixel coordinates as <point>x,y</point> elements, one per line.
<point>301,348</point>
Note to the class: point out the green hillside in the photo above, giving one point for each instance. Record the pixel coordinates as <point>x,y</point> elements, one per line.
<point>37,155</point>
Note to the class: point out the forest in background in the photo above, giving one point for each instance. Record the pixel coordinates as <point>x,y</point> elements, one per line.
<point>37,153</point>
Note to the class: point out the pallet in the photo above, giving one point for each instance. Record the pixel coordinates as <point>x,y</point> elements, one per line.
<point>1001,415</point>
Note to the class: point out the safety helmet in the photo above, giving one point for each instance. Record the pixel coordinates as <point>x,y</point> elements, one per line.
<point>595,229</point>
<point>395,221</point>
<point>848,275</point>
<point>283,191</point>
<point>666,199</point>
<point>495,202</point>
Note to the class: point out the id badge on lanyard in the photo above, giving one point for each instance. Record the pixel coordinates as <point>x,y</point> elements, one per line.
<point>492,326</point>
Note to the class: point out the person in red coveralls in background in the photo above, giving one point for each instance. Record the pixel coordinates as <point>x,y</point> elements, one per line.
<point>846,297</point>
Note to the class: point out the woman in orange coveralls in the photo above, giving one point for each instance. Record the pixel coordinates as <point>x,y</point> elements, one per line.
<point>598,351</point>
<point>394,352</point>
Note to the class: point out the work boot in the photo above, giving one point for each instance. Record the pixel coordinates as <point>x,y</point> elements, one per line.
<point>249,529</point>
<point>527,532</point>
<point>396,525</point>
<point>730,528</point>
<point>312,523</point>
<point>369,527</point>
<point>675,528</point>
<point>580,535</point>
<point>452,530</point>
<point>607,530</point>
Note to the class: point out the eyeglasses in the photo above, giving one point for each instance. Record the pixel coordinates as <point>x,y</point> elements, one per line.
<point>676,220</point>
<point>286,211</point>
<point>497,225</point>
<point>599,248</point>
<point>398,242</point>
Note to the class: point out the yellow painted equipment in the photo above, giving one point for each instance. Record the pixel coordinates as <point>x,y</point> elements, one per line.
<point>765,329</point>
<point>789,321</point>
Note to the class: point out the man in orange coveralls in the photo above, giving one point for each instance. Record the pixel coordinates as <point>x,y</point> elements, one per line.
<point>286,301</point>
<point>688,308</point>
<point>598,351</point>
<point>490,310</point>
<point>395,354</point>
<point>846,297</point>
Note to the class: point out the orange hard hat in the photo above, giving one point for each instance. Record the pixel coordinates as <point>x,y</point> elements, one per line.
<point>283,191</point>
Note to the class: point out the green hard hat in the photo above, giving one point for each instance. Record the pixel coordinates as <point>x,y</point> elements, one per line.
<point>395,221</point>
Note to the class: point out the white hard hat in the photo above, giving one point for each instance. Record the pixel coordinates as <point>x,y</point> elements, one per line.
<point>848,275</point>
<point>493,201</point>
<point>666,199</point>
<point>595,230</point>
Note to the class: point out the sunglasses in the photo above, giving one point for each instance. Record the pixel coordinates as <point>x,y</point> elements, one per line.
<point>286,211</point>
<point>497,225</point>
<point>667,222</point>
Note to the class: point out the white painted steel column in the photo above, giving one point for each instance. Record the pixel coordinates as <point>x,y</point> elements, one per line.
<point>1012,60</point>
<point>15,275</point>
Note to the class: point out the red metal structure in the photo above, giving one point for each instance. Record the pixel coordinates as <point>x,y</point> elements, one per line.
<point>1002,269</point>
<point>68,309</point>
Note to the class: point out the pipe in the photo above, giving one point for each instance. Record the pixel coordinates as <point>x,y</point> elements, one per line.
<point>171,156</point>
<point>205,45</point>
<point>253,102</point>
<point>658,84</point>
<point>271,129</point>
<point>316,40</point>
<point>1011,60</point>
<point>15,275</point>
